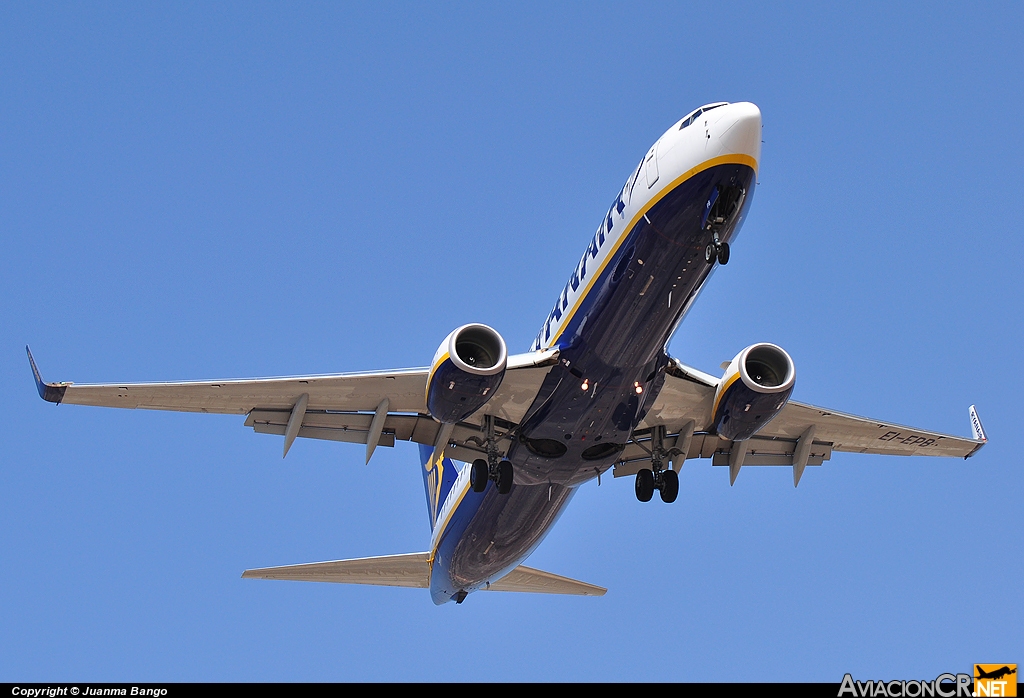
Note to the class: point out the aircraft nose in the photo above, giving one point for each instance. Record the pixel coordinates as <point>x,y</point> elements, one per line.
<point>740,129</point>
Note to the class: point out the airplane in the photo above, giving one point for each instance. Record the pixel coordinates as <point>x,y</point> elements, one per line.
<point>996,674</point>
<point>505,440</point>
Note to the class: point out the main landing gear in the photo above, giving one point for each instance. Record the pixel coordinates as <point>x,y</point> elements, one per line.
<point>657,478</point>
<point>494,468</point>
<point>481,473</point>
<point>665,481</point>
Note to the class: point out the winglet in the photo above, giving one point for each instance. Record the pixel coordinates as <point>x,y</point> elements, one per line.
<point>51,392</point>
<point>977,431</point>
<point>976,428</point>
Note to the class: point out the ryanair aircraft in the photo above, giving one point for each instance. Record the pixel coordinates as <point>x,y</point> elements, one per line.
<point>505,441</point>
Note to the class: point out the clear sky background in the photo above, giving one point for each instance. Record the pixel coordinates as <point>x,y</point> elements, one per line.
<point>192,191</point>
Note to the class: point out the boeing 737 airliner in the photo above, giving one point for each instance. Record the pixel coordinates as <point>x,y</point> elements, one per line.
<point>596,391</point>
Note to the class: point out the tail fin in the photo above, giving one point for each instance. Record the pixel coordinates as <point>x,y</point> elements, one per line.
<point>438,478</point>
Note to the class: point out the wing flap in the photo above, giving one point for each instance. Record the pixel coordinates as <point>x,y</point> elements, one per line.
<point>467,440</point>
<point>760,451</point>
<point>529,580</point>
<point>409,570</point>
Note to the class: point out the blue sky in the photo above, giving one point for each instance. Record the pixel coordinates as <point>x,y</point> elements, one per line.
<point>268,189</point>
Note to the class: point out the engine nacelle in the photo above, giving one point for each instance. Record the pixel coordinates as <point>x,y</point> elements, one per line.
<point>754,389</point>
<point>466,371</point>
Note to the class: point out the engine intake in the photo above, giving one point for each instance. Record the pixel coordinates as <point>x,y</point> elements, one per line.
<point>754,389</point>
<point>466,371</point>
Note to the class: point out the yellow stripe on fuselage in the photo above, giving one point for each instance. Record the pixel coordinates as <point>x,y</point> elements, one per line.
<point>442,525</point>
<point>732,159</point>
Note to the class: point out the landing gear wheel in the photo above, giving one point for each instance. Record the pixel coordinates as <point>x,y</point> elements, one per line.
<point>669,486</point>
<point>723,253</point>
<point>478,475</point>
<point>710,252</point>
<point>645,485</point>
<point>504,477</point>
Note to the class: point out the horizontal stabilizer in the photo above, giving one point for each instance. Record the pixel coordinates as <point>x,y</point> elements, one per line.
<point>408,570</point>
<point>527,579</point>
<point>411,570</point>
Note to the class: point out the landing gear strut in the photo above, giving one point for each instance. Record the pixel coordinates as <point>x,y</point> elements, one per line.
<point>494,468</point>
<point>657,478</point>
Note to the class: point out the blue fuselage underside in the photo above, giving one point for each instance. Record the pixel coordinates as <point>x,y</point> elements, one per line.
<point>614,344</point>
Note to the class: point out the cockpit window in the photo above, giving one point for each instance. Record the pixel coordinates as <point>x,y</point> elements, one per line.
<point>689,120</point>
<point>693,117</point>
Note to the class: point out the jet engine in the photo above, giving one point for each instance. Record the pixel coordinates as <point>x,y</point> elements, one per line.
<point>754,389</point>
<point>466,371</point>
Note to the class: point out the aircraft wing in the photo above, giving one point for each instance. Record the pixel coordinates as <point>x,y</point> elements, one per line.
<point>345,406</point>
<point>862,435</point>
<point>685,406</point>
<point>338,407</point>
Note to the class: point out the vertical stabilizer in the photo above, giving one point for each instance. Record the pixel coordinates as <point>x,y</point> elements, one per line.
<point>438,478</point>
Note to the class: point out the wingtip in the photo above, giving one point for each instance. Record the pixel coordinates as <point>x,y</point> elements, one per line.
<point>40,385</point>
<point>51,392</point>
<point>977,430</point>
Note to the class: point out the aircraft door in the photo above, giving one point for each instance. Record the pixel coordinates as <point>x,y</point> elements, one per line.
<point>652,165</point>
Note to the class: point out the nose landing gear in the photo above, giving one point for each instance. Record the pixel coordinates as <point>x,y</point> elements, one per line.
<point>724,203</point>
<point>716,250</point>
